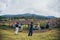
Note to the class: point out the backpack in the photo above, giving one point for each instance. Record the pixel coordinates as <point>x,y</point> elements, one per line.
<point>14,25</point>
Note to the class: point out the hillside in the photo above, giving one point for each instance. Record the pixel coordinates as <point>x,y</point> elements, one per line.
<point>29,16</point>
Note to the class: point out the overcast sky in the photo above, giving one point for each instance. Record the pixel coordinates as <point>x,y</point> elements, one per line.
<point>39,7</point>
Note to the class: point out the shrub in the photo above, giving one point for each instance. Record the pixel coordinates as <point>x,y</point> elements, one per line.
<point>42,25</point>
<point>25,27</point>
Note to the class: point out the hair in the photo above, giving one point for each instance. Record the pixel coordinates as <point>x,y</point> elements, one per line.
<point>31,22</point>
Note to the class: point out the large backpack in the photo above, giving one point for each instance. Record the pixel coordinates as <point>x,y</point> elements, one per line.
<point>14,25</point>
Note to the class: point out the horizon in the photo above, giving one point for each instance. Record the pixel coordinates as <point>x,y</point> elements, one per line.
<point>27,14</point>
<point>38,7</point>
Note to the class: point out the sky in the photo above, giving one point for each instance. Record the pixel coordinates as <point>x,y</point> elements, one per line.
<point>39,7</point>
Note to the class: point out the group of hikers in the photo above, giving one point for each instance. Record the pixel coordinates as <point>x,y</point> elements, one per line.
<point>30,27</point>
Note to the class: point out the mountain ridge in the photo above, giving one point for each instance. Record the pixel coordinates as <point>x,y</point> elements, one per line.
<point>28,15</point>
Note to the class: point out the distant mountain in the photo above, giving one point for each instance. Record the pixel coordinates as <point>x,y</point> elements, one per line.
<point>28,15</point>
<point>51,17</point>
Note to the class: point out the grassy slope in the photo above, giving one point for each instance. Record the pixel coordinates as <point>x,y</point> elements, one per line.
<point>9,35</point>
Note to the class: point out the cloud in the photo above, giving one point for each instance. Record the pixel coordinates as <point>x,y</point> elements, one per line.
<point>2,6</point>
<point>40,7</point>
<point>55,5</point>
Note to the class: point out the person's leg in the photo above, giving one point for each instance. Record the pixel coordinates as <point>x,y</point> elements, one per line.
<point>29,33</point>
<point>17,29</point>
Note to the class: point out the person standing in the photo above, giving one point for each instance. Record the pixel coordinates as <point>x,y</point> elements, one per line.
<point>17,28</point>
<point>30,29</point>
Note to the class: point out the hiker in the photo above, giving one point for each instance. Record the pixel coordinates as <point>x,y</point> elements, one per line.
<point>30,29</point>
<point>47,25</point>
<point>16,28</point>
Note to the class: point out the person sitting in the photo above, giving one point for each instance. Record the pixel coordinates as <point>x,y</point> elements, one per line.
<point>47,25</point>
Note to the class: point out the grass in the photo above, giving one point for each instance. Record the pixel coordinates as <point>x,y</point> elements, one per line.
<point>49,35</point>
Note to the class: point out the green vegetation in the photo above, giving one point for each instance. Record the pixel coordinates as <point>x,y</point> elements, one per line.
<point>42,24</point>
<point>8,34</point>
<point>4,27</point>
<point>25,27</point>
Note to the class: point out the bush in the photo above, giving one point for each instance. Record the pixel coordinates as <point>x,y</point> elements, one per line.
<point>4,27</point>
<point>42,25</point>
<point>25,27</point>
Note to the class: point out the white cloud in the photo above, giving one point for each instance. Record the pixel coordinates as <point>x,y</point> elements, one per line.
<point>40,7</point>
<point>2,6</point>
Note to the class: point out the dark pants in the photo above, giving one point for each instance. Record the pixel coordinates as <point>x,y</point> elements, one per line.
<point>47,26</point>
<point>30,33</point>
<point>42,27</point>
